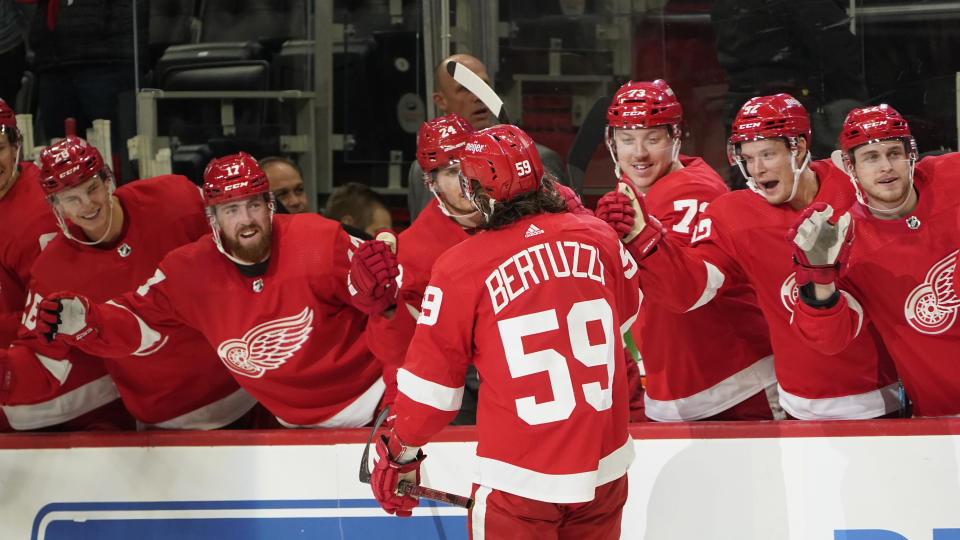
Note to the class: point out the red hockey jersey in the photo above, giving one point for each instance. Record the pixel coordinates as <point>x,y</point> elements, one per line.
<point>290,337</point>
<point>538,307</point>
<point>741,238</point>
<point>418,248</point>
<point>899,277</point>
<point>179,384</point>
<point>705,361</point>
<point>29,224</point>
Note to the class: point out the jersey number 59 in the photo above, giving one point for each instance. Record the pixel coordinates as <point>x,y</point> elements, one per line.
<point>522,363</point>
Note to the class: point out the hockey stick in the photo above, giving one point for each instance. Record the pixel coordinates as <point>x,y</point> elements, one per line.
<point>477,87</point>
<point>405,487</point>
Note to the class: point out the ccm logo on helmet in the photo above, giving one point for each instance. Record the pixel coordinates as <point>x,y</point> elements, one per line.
<point>750,125</point>
<point>474,147</point>
<point>68,172</point>
<point>238,185</point>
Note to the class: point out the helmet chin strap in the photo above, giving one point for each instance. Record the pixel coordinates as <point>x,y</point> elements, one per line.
<point>886,211</point>
<point>216,233</point>
<point>66,231</point>
<point>450,214</point>
<point>797,171</point>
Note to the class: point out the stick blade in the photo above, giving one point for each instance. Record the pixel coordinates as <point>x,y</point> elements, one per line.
<point>479,88</point>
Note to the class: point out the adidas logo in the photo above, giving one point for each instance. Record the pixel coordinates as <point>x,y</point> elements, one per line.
<point>533,230</point>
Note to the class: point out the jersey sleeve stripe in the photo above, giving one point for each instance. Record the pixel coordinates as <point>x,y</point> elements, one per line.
<point>148,336</point>
<point>60,369</point>
<point>429,393</point>
<point>854,305</point>
<point>715,280</point>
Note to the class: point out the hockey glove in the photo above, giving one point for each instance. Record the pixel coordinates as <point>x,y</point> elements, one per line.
<point>373,272</point>
<point>65,316</point>
<point>574,204</point>
<point>626,212</point>
<point>387,474</point>
<point>821,244</point>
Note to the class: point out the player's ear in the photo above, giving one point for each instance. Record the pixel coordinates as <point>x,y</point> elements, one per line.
<point>348,220</point>
<point>440,101</point>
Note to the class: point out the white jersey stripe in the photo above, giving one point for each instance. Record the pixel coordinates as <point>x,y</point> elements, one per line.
<point>429,393</point>
<point>715,280</point>
<point>716,399</point>
<point>854,305</point>
<point>857,407</point>
<point>148,336</point>
<point>478,516</point>
<point>555,488</point>
<point>64,407</point>
<point>60,369</point>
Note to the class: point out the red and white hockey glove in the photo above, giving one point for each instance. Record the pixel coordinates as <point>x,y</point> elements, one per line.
<point>387,474</point>
<point>574,204</point>
<point>65,316</point>
<point>626,212</point>
<point>373,275</point>
<point>821,244</point>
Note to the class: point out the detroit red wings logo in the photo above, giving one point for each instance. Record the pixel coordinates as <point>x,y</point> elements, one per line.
<point>931,307</point>
<point>789,293</point>
<point>267,346</point>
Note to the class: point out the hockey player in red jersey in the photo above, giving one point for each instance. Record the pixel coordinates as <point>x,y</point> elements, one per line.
<point>112,240</point>
<point>27,220</point>
<point>445,221</point>
<point>739,238</point>
<point>729,375</point>
<point>269,293</point>
<point>537,302</point>
<point>889,260</point>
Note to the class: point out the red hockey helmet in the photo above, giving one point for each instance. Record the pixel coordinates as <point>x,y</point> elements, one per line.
<point>767,117</point>
<point>69,163</point>
<point>872,124</point>
<point>441,141</point>
<point>645,104</point>
<point>504,160</point>
<point>232,178</point>
<point>8,119</point>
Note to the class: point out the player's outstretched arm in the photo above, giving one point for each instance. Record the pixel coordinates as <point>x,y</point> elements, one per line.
<point>574,204</point>
<point>67,317</point>
<point>374,269</point>
<point>105,330</point>
<point>821,243</point>
<point>626,211</point>
<point>395,462</point>
<point>826,318</point>
<point>674,275</point>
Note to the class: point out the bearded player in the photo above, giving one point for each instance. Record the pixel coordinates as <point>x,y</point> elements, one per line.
<point>269,293</point>
<point>111,241</point>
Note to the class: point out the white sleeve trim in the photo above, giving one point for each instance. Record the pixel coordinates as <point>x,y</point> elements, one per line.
<point>715,279</point>
<point>60,369</point>
<point>148,336</point>
<point>429,393</point>
<point>854,305</point>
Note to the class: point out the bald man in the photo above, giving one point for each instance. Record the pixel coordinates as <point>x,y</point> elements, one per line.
<point>450,97</point>
<point>285,183</point>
